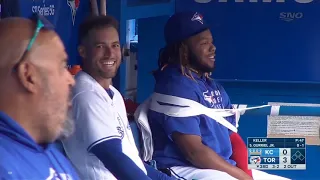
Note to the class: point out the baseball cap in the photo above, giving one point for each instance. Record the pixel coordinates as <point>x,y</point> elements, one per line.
<point>183,25</point>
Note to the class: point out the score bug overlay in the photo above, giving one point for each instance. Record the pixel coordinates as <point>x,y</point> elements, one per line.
<point>276,153</point>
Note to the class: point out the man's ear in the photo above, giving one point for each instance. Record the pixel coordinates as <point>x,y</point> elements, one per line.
<point>82,51</point>
<point>28,76</point>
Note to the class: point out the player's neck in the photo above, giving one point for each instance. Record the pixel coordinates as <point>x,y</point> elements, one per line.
<point>105,83</point>
<point>197,72</point>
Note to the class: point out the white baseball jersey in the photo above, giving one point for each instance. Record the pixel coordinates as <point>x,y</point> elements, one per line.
<point>97,118</point>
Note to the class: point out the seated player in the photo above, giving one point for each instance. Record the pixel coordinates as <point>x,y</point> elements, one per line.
<point>194,147</point>
<point>102,146</point>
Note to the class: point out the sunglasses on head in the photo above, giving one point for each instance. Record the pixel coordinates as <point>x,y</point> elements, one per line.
<point>41,23</point>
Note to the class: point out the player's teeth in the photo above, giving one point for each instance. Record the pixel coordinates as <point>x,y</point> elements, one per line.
<point>109,63</point>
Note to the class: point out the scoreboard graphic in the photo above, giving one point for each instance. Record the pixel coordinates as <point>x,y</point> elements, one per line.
<point>276,153</point>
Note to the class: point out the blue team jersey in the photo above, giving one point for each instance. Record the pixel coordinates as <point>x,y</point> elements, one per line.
<point>170,81</point>
<point>22,158</point>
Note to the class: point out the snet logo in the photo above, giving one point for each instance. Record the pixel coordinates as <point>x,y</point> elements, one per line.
<point>290,16</point>
<point>255,1</point>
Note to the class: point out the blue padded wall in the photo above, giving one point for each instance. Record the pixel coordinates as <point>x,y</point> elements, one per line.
<point>151,39</point>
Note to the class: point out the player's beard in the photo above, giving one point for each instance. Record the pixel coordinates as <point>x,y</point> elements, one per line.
<point>68,126</point>
<point>194,62</point>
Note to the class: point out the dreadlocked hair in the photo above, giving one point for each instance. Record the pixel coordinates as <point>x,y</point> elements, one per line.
<point>177,54</point>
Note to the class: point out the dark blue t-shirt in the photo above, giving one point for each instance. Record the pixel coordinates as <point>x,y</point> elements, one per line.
<point>170,81</point>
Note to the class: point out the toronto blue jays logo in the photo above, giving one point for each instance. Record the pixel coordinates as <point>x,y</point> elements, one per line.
<point>74,5</point>
<point>53,175</point>
<point>197,17</point>
<point>214,98</point>
<point>207,95</point>
<point>120,131</point>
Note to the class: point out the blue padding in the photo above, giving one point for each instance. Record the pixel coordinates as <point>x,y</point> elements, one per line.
<point>149,10</point>
<point>136,134</point>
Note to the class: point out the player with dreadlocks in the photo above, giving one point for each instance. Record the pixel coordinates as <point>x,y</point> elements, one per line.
<point>194,147</point>
<point>184,65</point>
<point>179,54</point>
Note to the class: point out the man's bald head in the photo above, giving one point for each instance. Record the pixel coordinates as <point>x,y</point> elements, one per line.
<point>15,34</point>
<point>35,89</point>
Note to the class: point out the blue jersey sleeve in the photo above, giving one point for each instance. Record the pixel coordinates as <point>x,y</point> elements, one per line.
<point>120,165</point>
<point>184,125</point>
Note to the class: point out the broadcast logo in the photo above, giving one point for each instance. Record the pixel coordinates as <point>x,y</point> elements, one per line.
<point>255,160</point>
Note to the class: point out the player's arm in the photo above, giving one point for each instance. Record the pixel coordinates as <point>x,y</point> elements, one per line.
<point>102,138</point>
<point>203,157</point>
<point>227,104</point>
<point>110,153</point>
<point>239,148</point>
<point>121,166</point>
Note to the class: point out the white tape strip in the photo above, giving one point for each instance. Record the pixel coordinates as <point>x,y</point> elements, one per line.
<point>275,110</point>
<point>244,107</point>
<point>187,108</point>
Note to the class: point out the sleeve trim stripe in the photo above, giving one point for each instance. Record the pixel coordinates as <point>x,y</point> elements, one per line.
<point>102,140</point>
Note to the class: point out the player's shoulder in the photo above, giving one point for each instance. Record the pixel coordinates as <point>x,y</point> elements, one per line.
<point>180,86</point>
<point>5,145</point>
<point>7,155</point>
<point>87,89</point>
<point>84,85</point>
<point>171,81</point>
<point>178,81</point>
<point>87,96</point>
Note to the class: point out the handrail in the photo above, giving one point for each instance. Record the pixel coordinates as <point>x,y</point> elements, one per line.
<point>276,110</point>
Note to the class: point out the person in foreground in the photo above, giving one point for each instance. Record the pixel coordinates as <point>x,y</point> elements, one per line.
<point>34,100</point>
<point>194,147</point>
<point>102,146</point>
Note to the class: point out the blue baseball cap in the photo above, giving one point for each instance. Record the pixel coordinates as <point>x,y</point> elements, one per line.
<point>183,25</point>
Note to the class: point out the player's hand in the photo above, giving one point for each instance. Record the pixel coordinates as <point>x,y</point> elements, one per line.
<point>240,174</point>
<point>237,114</point>
<point>246,177</point>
